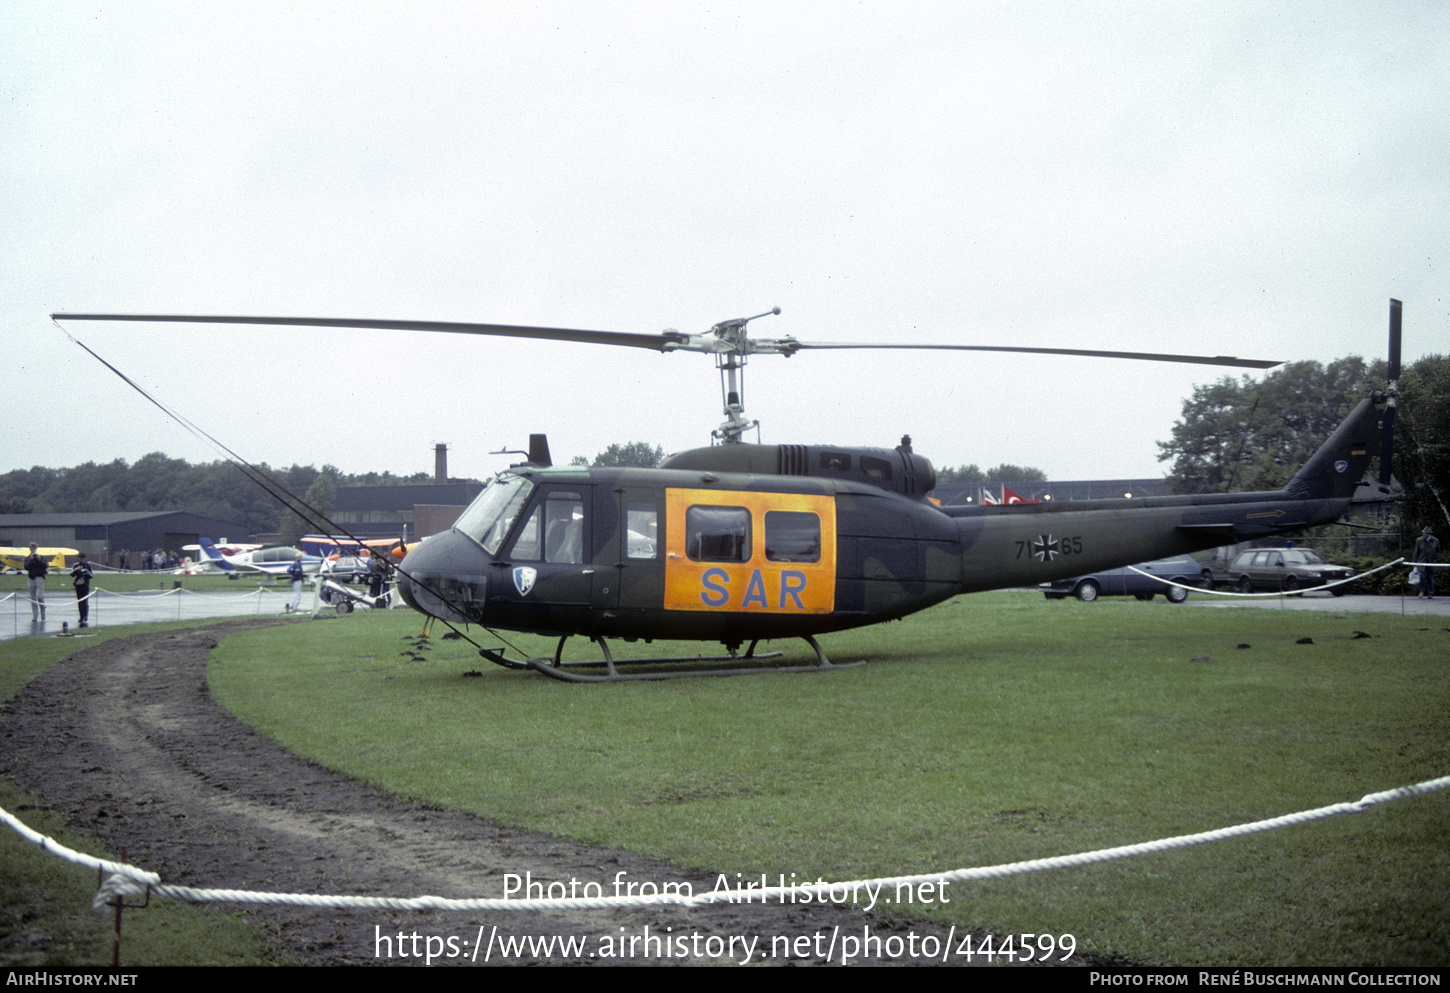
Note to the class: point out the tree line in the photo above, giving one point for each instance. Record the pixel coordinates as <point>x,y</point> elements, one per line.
<point>1006,472</point>
<point>155,482</point>
<point>1238,435</point>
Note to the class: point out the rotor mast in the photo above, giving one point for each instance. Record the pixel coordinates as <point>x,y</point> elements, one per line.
<point>730,360</point>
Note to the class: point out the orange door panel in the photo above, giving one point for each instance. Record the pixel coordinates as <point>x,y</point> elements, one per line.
<point>752,552</point>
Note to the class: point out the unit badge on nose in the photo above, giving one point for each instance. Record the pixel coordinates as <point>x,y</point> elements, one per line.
<point>524,576</point>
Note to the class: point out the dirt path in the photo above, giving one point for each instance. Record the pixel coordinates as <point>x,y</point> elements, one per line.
<point>125,741</point>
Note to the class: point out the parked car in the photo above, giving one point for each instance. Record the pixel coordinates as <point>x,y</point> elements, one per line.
<point>1285,569</point>
<point>1214,570</point>
<point>1126,582</point>
<point>346,569</point>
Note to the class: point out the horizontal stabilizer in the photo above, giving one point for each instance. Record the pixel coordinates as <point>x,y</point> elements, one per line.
<point>1228,530</point>
<point>1372,490</point>
<point>1242,531</point>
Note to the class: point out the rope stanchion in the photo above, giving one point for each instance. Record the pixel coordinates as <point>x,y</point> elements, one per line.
<point>127,880</point>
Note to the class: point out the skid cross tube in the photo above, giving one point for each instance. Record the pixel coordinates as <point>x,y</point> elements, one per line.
<point>557,668</point>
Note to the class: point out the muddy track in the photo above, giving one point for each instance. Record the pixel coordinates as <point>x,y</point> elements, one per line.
<point>124,740</point>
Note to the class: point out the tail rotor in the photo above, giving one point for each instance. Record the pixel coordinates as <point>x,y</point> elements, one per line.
<point>1387,436</point>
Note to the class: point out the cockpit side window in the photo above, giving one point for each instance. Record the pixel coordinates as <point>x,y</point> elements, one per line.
<point>642,530</point>
<point>564,528</point>
<point>553,531</point>
<point>527,544</point>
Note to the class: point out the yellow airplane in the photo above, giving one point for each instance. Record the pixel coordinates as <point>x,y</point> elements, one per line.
<point>14,558</point>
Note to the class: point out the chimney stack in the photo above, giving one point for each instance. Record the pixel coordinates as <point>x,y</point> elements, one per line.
<point>440,464</point>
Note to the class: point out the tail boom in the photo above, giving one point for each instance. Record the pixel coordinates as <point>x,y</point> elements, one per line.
<point>1028,544</point>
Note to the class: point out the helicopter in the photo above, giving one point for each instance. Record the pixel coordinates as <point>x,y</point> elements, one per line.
<point>741,543</point>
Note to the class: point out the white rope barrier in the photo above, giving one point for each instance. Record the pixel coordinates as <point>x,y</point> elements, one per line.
<point>60,851</point>
<point>1278,593</point>
<point>153,594</point>
<point>140,594</point>
<point>127,880</point>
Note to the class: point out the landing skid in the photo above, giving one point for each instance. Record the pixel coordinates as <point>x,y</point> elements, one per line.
<point>557,668</point>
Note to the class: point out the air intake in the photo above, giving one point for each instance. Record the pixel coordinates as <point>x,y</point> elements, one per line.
<point>793,461</point>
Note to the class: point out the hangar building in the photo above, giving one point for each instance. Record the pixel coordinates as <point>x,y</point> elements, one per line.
<point>102,535</point>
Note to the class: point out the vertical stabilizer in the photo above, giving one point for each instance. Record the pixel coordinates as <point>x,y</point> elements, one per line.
<point>1334,472</point>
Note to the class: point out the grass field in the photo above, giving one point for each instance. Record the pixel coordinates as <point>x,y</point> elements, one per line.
<point>994,728</point>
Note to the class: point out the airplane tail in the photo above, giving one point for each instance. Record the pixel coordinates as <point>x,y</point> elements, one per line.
<point>1338,468</point>
<point>209,554</point>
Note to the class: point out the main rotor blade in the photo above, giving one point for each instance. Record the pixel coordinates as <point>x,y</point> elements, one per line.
<point>1228,360</point>
<point>657,342</point>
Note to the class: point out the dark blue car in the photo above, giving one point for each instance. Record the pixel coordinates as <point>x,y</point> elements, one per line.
<point>1126,582</point>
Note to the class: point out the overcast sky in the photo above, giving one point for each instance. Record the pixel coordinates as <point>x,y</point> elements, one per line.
<point>1253,179</point>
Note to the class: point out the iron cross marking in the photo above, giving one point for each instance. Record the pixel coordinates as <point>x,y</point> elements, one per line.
<point>1045,548</point>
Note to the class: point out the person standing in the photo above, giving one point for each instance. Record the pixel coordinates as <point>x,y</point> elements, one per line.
<point>296,573</point>
<point>36,569</point>
<point>80,575</point>
<point>377,576</point>
<point>1427,549</point>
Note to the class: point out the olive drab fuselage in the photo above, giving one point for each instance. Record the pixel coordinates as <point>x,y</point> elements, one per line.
<point>681,554</point>
<point>689,552</point>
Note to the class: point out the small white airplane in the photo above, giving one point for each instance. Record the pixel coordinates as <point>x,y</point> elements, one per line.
<point>223,546</point>
<point>270,561</point>
<point>197,564</point>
